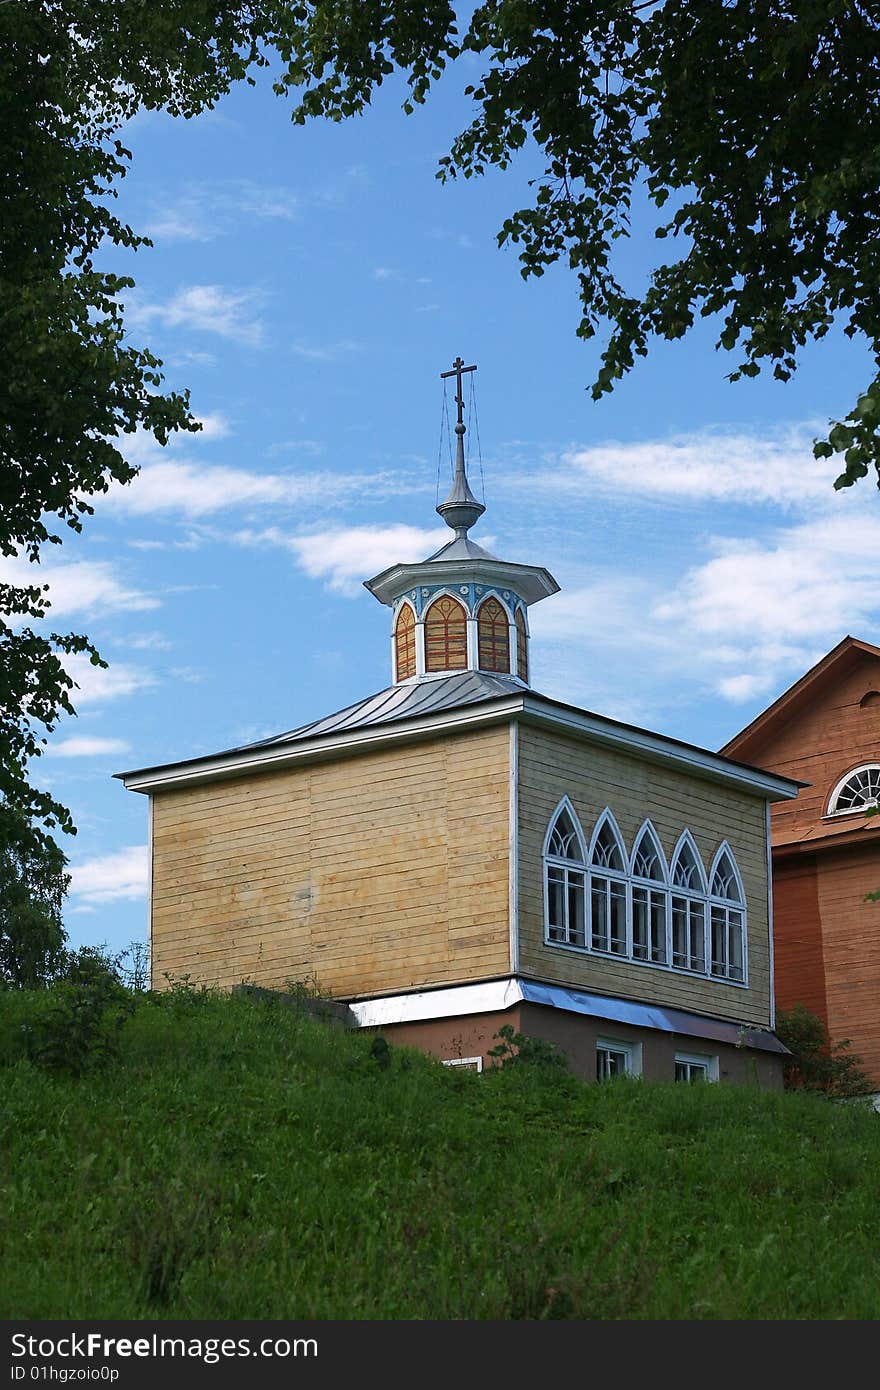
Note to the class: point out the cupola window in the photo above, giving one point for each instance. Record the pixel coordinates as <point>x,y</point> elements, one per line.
<point>446,636</point>
<point>493,635</point>
<point>405,643</point>
<point>522,647</point>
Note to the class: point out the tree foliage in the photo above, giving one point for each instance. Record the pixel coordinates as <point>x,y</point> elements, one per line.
<point>72,386</point>
<point>746,131</point>
<point>32,888</point>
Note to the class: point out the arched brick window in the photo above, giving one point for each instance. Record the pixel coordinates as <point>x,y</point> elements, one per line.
<point>522,647</point>
<point>494,637</point>
<point>446,636</point>
<point>405,643</point>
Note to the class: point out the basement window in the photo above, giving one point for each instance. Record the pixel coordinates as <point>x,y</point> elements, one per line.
<point>695,1066</point>
<point>617,1059</point>
<point>469,1063</point>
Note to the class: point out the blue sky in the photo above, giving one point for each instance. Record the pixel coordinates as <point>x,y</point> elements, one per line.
<point>309,285</point>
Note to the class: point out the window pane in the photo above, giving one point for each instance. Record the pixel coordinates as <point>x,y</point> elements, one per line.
<point>599,909</point>
<point>719,941</point>
<point>658,927</point>
<point>735,946</point>
<point>556,903</point>
<point>679,932</point>
<point>618,918</point>
<point>641,924</point>
<point>576,933</point>
<point>697,940</point>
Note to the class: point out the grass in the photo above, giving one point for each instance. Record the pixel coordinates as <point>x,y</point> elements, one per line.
<point>239,1160</point>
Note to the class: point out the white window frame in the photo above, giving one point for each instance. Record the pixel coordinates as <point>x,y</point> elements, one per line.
<point>609,877</point>
<point>472,1063</point>
<point>629,881</point>
<point>631,1052</point>
<point>727,906</point>
<point>704,1060</point>
<point>691,897</point>
<point>570,868</point>
<point>850,810</point>
<point>658,886</point>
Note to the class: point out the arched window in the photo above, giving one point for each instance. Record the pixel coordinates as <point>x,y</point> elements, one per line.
<point>446,636</point>
<point>564,879</point>
<point>857,791</point>
<point>522,647</point>
<point>688,907</point>
<point>405,643</point>
<point>608,889</point>
<point>493,636</point>
<point>649,900</point>
<point>727,918</point>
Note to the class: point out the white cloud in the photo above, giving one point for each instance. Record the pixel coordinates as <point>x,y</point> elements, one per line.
<point>86,747</point>
<point>741,623</point>
<point>206,309</point>
<point>326,352</point>
<point>197,490</point>
<point>77,586</point>
<point>709,466</point>
<point>96,685</point>
<point>148,641</point>
<point>111,877</point>
<point>802,584</point>
<point>345,556</point>
<point>206,212</point>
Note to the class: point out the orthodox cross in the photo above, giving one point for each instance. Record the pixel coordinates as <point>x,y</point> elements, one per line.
<point>458,370</point>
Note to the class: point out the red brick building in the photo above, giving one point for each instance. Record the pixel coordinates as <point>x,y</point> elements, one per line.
<point>825,731</point>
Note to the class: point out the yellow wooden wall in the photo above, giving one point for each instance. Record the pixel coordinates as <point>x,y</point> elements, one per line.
<point>552,765</point>
<point>381,871</point>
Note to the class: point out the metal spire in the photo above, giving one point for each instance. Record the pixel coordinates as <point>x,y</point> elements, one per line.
<point>461,508</point>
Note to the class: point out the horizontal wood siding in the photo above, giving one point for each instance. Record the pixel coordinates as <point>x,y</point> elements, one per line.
<point>551,766</point>
<point>850,936</point>
<point>384,870</point>
<point>797,935</point>
<point>821,743</point>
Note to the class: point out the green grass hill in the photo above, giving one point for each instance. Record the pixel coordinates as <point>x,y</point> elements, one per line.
<point>237,1159</point>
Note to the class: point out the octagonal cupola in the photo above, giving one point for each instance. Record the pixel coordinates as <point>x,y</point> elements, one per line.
<point>461,609</point>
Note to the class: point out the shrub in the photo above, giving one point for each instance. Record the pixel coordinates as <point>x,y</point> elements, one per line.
<point>77,1023</point>
<point>817,1064</point>
<point>519,1049</point>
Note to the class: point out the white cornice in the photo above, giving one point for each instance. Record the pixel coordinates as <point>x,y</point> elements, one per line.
<point>530,708</point>
<point>531,582</point>
<point>655,748</point>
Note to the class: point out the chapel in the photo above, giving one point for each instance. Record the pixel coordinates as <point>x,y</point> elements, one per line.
<point>459,852</point>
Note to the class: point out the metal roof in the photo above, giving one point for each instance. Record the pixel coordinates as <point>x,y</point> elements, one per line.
<point>403,702</point>
<point>497,995</point>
